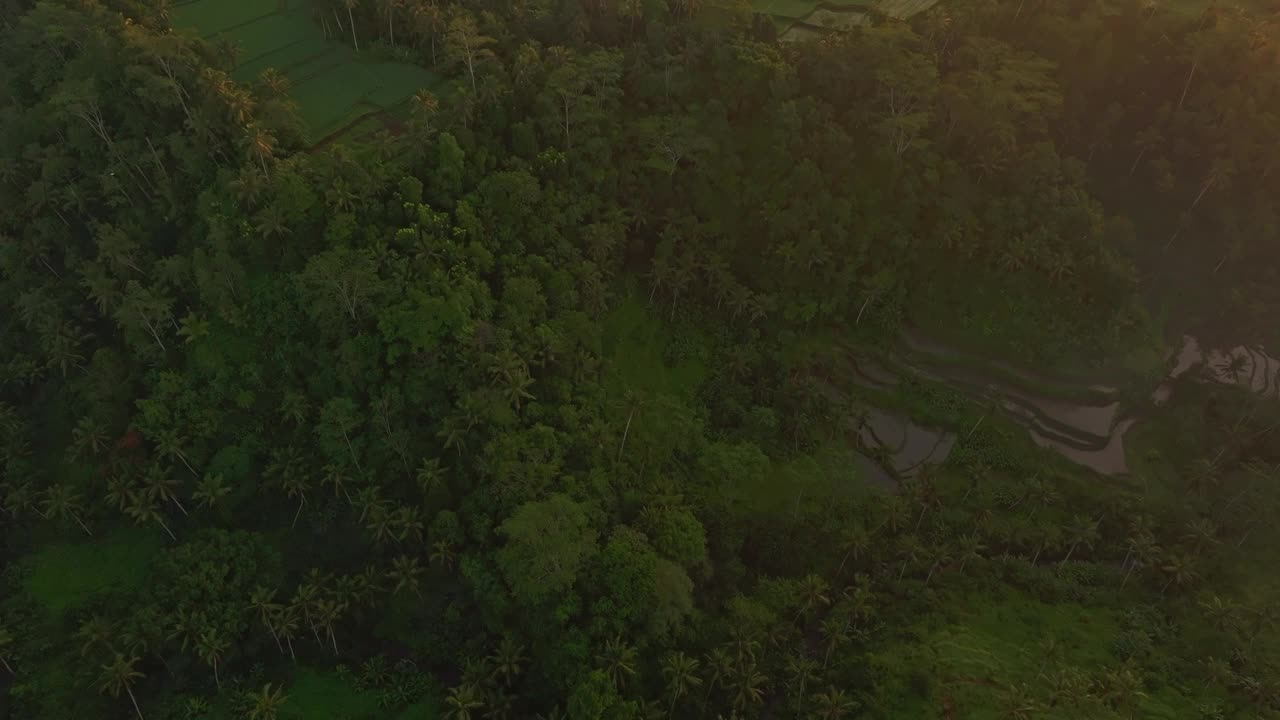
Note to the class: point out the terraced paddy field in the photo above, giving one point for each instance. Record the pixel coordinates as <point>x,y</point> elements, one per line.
<point>804,19</point>
<point>332,84</point>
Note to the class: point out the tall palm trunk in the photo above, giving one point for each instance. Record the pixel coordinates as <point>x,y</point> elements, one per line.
<point>1070,552</point>
<point>135,702</point>
<point>352,20</point>
<point>82,525</point>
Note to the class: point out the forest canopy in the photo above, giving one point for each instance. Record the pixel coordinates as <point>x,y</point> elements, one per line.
<point>622,360</point>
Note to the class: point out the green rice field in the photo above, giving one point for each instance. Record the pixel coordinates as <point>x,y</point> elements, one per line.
<point>332,84</point>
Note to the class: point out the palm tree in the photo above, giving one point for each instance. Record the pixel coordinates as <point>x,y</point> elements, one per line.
<point>969,547</point>
<point>748,687</point>
<point>1067,687</point>
<point>720,665</point>
<point>937,556</point>
<point>1265,618</point>
<point>1081,531</point>
<point>88,438</point>
<point>1123,688</point>
<point>143,508</point>
<point>498,703</point>
<point>801,670</point>
<point>1050,538</point>
<point>1201,534</point>
<point>407,522</point>
<point>169,446</point>
<point>835,632</point>
<point>272,223</point>
<point>120,675</point>
<point>260,144</point>
<point>1145,553</point>
<point>248,187</point>
<point>1222,614</point>
<point>61,501</point>
<point>1179,569</point>
<point>681,672</point>
<point>336,475</point>
<point>266,703</point>
<point>507,660</point>
<point>855,542</point>
<point>463,700</point>
<point>744,646</point>
<point>210,646</point>
<point>1203,475</point>
<point>185,624</point>
<point>162,487</point>
<point>618,660</point>
<point>328,611</point>
<point>293,479</point>
<point>274,82</point>
<point>380,523</point>
<point>1017,703</point>
<point>442,552</point>
<point>430,475</point>
<point>261,600</point>
<point>425,107</point>
<point>6,639</point>
<point>910,550</point>
<point>923,490</point>
<point>860,598</point>
<point>812,595</point>
<point>94,631</point>
<point>833,704</point>
<point>1041,494</point>
<point>284,622</point>
<point>404,573</point>
<point>210,490</point>
<point>293,407</point>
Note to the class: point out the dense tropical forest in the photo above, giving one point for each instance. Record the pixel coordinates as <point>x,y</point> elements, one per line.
<point>558,389</point>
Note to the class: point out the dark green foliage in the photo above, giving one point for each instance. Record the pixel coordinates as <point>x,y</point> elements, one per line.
<point>535,398</point>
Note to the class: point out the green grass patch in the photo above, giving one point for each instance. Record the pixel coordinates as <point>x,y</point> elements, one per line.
<point>991,642</point>
<point>636,344</point>
<point>1006,638</point>
<point>65,576</point>
<point>323,695</point>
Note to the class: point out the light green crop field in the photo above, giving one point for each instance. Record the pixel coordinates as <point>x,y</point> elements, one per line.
<point>210,17</point>
<point>333,85</point>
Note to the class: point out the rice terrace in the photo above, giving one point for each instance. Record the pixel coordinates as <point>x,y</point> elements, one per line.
<point>800,19</point>
<point>333,85</point>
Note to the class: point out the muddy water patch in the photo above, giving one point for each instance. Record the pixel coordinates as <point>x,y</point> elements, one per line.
<point>1250,367</point>
<point>904,446</point>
